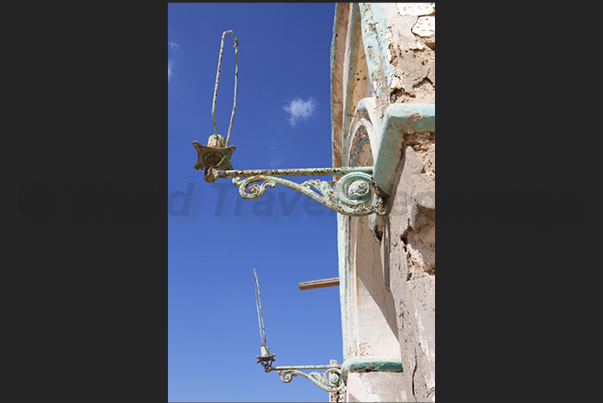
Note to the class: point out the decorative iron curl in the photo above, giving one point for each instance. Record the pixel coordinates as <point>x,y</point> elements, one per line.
<point>254,191</point>
<point>354,189</point>
<point>355,194</point>
<point>330,381</point>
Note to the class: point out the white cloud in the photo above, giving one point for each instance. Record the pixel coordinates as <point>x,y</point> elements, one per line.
<point>299,110</point>
<point>172,46</point>
<point>274,163</point>
<point>275,156</point>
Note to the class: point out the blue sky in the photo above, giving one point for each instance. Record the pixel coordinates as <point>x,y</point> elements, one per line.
<point>215,238</point>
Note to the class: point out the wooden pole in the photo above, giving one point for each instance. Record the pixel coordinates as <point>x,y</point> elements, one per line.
<point>327,282</point>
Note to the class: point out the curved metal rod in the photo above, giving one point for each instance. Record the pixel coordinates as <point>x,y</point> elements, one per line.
<point>213,108</point>
<point>291,172</point>
<point>351,195</point>
<point>330,381</point>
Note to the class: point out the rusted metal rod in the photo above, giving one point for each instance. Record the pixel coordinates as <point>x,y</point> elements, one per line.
<point>291,172</point>
<point>280,368</point>
<point>234,105</point>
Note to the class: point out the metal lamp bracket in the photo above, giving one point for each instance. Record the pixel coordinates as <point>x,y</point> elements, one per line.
<point>354,194</point>
<point>331,380</point>
<point>335,376</point>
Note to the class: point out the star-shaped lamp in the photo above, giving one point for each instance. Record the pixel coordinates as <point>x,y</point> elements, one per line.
<point>265,359</point>
<point>213,156</point>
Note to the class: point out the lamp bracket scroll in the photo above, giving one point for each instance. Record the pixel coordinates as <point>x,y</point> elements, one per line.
<point>331,380</point>
<point>354,194</point>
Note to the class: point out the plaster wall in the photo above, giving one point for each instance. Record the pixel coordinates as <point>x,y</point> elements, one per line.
<point>386,51</point>
<point>408,253</point>
<point>408,243</point>
<point>374,334</point>
<point>370,318</point>
<point>411,51</point>
<point>361,387</point>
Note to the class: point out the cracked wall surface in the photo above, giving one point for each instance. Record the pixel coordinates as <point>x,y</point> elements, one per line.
<point>386,51</point>
<point>411,48</point>
<point>409,242</point>
<point>409,228</point>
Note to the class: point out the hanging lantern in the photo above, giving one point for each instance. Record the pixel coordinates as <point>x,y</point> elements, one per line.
<point>213,156</point>
<point>216,154</point>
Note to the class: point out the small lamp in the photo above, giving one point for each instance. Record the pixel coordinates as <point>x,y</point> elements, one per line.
<point>213,156</point>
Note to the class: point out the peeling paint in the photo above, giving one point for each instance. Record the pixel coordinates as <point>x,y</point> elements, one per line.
<point>424,27</point>
<point>415,8</point>
<point>399,70</point>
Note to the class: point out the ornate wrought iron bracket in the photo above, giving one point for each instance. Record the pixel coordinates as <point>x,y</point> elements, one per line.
<point>355,194</point>
<point>335,377</point>
<point>331,380</point>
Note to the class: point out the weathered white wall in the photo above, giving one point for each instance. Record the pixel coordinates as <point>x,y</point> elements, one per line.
<point>408,248</point>
<point>375,387</point>
<point>409,229</point>
<point>388,280</point>
<point>373,305</point>
<point>411,46</point>
<point>373,316</point>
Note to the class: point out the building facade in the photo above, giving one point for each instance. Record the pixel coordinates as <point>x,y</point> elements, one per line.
<point>383,115</point>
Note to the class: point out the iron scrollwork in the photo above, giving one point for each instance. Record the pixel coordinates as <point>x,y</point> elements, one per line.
<point>331,380</point>
<point>355,194</point>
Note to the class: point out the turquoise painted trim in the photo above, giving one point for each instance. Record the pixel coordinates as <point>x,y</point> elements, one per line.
<point>356,154</point>
<point>368,25</point>
<point>365,106</point>
<point>374,36</point>
<point>370,364</point>
<point>399,119</point>
<point>381,23</point>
